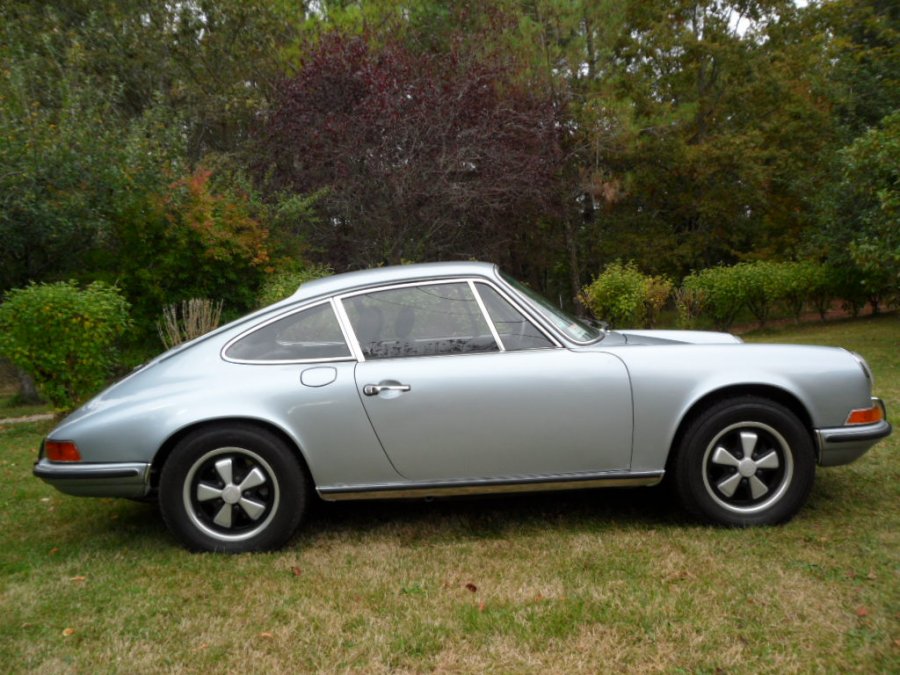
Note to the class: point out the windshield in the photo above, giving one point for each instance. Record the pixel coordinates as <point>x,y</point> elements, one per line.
<point>574,328</point>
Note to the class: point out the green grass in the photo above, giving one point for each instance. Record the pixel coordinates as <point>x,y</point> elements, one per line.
<point>11,408</point>
<point>593,581</point>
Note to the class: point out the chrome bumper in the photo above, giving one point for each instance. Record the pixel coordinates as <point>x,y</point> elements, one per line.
<point>130,479</point>
<point>842,445</point>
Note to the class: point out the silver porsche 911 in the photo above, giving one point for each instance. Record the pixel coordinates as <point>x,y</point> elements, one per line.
<point>447,379</point>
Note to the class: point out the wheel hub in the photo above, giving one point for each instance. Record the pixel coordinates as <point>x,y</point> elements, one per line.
<point>231,494</point>
<point>747,467</point>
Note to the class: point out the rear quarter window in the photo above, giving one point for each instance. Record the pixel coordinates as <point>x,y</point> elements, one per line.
<point>309,335</point>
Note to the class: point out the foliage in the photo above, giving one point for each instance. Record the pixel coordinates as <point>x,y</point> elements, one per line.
<point>552,137</point>
<point>280,285</point>
<point>198,239</point>
<point>422,156</point>
<point>193,318</point>
<point>625,297</point>
<point>722,291</point>
<point>762,285</point>
<point>64,337</point>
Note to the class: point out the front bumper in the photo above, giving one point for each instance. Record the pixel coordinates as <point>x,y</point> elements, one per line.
<point>842,445</point>
<point>130,479</point>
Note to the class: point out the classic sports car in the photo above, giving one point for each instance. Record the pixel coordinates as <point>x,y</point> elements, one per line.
<point>447,379</point>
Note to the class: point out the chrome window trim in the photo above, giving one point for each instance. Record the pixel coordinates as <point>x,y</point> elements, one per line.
<point>347,327</point>
<point>548,325</point>
<point>487,317</point>
<point>279,317</point>
<point>527,312</point>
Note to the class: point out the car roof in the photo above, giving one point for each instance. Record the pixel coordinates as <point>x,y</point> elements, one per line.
<point>340,283</point>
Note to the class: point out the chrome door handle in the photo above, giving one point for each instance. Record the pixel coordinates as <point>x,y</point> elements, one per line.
<point>375,389</point>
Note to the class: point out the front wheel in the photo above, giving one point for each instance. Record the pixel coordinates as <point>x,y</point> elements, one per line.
<point>232,489</point>
<point>745,461</point>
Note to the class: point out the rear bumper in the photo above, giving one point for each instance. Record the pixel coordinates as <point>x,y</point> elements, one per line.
<point>842,445</point>
<point>96,480</point>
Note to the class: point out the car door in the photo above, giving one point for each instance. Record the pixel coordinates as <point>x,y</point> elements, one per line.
<point>454,394</point>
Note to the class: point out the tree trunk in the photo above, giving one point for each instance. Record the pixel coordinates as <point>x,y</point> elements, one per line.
<point>27,389</point>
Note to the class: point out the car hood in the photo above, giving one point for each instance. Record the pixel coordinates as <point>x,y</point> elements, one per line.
<point>660,337</point>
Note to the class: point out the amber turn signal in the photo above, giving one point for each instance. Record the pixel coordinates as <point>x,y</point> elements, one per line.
<point>866,415</point>
<point>62,451</point>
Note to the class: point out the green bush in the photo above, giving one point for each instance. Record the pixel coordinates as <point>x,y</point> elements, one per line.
<point>721,291</point>
<point>624,296</point>
<point>763,285</point>
<point>64,337</point>
<point>280,285</point>
<point>822,288</point>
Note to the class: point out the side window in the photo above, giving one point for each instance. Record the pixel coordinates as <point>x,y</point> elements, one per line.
<point>313,333</point>
<point>515,330</point>
<point>426,320</point>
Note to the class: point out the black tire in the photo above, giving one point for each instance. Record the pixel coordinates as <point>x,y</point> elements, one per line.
<point>233,489</point>
<point>716,477</point>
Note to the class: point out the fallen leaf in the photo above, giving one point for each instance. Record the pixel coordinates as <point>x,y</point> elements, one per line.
<point>202,647</point>
<point>481,606</point>
<point>871,576</point>
<point>471,587</point>
<point>54,550</point>
<point>266,634</point>
<point>77,579</point>
<point>862,611</point>
<point>296,571</point>
<point>68,632</point>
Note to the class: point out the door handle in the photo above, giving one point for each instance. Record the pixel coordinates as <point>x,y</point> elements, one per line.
<point>375,389</point>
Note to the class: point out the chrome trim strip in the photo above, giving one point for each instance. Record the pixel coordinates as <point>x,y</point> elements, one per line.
<point>347,329</point>
<point>853,434</point>
<point>525,311</point>
<point>51,471</point>
<point>542,320</point>
<point>484,487</point>
<point>487,317</point>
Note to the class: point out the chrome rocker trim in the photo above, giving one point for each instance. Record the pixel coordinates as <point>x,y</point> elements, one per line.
<point>489,486</point>
<point>120,479</point>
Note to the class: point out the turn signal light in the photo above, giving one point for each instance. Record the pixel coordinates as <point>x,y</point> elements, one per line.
<point>866,415</point>
<point>62,451</point>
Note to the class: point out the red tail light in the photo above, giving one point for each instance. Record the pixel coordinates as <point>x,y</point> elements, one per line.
<point>62,451</point>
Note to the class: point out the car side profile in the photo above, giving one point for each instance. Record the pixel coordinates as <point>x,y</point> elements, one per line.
<point>445,379</point>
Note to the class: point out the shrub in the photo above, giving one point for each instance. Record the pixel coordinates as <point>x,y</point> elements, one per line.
<point>624,296</point>
<point>64,337</point>
<point>822,290</point>
<point>762,284</point>
<point>690,303</point>
<point>195,317</point>
<point>722,292</point>
<point>280,285</point>
<point>797,280</point>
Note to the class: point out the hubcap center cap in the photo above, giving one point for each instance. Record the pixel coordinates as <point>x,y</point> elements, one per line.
<point>747,467</point>
<point>231,494</point>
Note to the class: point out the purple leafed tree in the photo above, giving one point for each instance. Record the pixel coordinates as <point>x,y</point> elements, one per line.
<point>420,156</point>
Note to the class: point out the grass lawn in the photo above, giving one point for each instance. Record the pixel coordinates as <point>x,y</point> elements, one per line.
<point>590,581</point>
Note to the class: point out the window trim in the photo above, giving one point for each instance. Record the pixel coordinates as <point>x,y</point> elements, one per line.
<point>355,347</point>
<point>525,312</point>
<point>279,317</point>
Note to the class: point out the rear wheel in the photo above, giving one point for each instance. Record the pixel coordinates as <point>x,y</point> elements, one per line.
<point>232,489</point>
<point>745,461</point>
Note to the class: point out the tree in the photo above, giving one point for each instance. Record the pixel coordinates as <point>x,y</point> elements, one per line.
<point>417,156</point>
